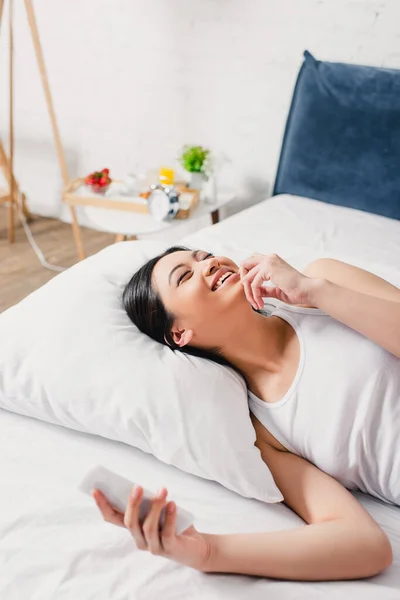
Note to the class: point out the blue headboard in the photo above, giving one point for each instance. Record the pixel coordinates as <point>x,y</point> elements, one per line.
<point>342,137</point>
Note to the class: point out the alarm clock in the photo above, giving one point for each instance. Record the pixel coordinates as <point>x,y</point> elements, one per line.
<point>163,202</point>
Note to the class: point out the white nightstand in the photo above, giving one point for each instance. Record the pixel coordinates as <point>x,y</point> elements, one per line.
<point>127,224</point>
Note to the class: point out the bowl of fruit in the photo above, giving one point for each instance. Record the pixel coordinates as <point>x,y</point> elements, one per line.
<point>98,181</point>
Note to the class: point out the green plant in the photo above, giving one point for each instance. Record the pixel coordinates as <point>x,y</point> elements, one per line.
<point>193,158</point>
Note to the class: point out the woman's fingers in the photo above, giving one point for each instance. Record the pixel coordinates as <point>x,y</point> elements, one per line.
<point>257,289</point>
<point>110,514</point>
<point>151,525</point>
<point>168,532</point>
<point>252,261</point>
<point>253,288</point>
<point>247,281</point>
<point>243,272</point>
<point>150,536</point>
<point>131,519</point>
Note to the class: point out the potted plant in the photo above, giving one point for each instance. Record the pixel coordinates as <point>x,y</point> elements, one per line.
<point>196,160</point>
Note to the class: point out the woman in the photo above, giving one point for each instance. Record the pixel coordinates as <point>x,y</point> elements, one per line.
<point>323,374</point>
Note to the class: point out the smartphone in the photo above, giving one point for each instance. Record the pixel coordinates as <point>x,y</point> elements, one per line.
<point>117,490</point>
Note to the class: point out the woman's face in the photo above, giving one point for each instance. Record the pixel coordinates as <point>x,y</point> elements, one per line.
<point>190,287</point>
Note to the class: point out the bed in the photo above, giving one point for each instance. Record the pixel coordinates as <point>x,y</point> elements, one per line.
<point>53,542</point>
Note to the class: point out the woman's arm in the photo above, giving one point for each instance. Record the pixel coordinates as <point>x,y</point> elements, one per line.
<point>341,540</point>
<point>353,278</point>
<point>376,318</point>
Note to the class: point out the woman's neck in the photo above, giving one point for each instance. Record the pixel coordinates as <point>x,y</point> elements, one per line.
<point>257,345</point>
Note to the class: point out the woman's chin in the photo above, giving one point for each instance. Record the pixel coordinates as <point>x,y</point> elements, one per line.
<point>234,292</point>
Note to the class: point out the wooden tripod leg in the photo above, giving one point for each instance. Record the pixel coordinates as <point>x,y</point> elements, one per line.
<point>6,167</point>
<point>1,10</point>
<point>25,209</point>
<point>57,138</point>
<point>11,222</point>
<point>46,88</point>
<point>77,234</point>
<point>13,191</point>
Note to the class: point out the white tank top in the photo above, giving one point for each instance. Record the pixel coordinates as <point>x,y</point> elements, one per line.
<point>342,411</point>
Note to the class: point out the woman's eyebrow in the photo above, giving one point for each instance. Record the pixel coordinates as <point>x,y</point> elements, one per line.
<point>193,255</point>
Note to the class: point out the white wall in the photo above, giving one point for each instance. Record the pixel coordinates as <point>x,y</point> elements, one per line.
<point>133,80</point>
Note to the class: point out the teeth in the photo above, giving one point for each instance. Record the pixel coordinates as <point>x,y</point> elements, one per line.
<point>222,279</point>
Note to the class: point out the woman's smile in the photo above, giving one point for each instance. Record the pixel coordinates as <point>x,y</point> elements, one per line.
<point>227,279</point>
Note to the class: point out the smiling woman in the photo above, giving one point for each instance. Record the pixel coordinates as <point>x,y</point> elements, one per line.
<point>316,439</point>
<point>168,287</point>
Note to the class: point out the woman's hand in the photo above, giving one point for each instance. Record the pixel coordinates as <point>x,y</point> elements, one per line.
<point>191,548</point>
<point>291,286</point>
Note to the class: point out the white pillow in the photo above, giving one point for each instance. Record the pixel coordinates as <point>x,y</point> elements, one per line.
<point>70,355</point>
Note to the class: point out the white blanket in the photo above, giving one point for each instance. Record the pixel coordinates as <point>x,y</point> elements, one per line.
<point>53,542</point>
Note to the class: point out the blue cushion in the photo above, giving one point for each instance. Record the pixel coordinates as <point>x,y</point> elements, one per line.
<point>342,138</point>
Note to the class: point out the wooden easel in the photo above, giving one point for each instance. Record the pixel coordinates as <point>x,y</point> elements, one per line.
<point>6,163</point>
<point>10,194</point>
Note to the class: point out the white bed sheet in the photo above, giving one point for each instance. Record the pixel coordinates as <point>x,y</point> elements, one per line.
<point>53,543</point>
